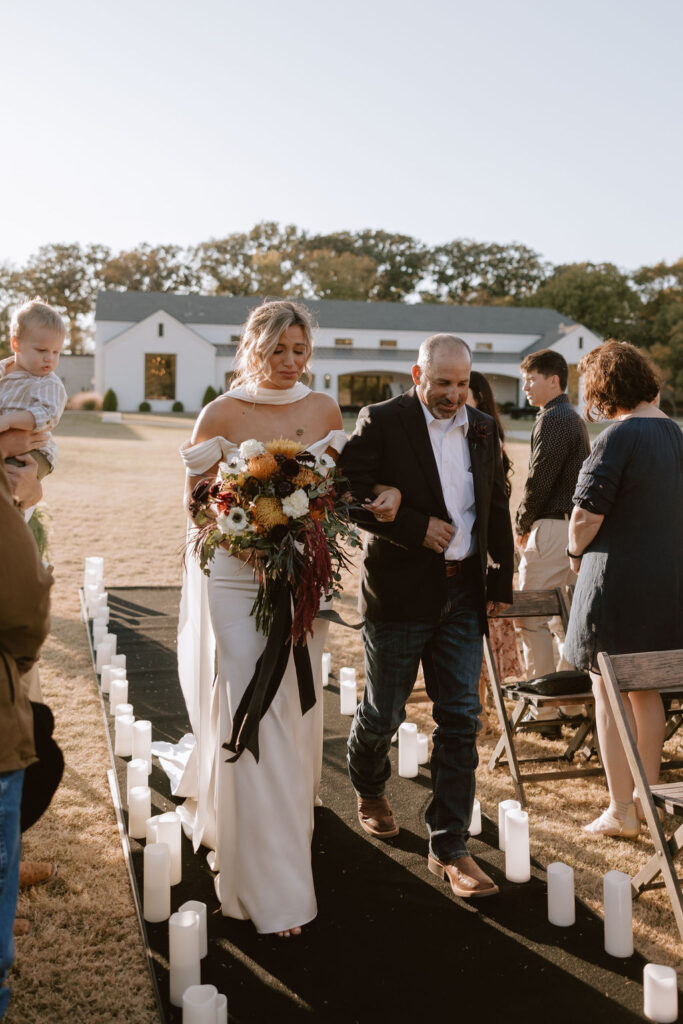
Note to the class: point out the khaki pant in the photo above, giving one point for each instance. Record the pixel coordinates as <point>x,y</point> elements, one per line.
<point>544,566</point>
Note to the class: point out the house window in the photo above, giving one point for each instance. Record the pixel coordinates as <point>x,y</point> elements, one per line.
<point>483,346</point>
<point>160,330</point>
<point>343,341</point>
<point>387,342</point>
<point>159,376</point>
<point>580,341</point>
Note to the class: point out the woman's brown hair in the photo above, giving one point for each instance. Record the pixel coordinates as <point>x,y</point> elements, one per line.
<point>617,376</point>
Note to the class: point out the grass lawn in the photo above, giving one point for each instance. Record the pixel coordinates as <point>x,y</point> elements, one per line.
<point>117,492</point>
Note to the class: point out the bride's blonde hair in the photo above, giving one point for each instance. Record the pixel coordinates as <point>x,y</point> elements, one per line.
<point>262,333</point>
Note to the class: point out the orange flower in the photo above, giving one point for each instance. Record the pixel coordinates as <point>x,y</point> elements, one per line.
<point>283,446</point>
<point>268,512</point>
<point>262,466</point>
<point>304,477</point>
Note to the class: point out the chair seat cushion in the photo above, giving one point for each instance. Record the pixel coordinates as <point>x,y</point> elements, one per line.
<point>557,684</point>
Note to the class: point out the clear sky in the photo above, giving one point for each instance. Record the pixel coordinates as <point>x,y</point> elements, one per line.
<point>559,125</point>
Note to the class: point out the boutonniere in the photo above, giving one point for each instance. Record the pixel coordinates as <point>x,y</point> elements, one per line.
<point>479,433</point>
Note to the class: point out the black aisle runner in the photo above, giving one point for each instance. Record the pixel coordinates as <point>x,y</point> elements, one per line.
<point>389,942</point>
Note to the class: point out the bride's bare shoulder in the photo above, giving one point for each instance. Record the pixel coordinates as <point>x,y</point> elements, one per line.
<point>327,409</point>
<point>216,419</point>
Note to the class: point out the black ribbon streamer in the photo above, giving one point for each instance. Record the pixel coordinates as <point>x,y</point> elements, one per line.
<point>268,673</point>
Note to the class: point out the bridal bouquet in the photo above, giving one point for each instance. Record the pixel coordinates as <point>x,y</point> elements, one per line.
<point>285,510</point>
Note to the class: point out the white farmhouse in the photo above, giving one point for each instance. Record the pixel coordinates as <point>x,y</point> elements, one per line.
<point>162,348</point>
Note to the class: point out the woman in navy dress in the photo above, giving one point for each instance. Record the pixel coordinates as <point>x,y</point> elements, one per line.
<point>626,543</point>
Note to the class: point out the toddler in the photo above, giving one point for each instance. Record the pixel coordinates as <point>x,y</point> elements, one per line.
<point>32,397</point>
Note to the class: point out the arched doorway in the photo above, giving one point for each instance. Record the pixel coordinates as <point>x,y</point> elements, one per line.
<point>369,386</point>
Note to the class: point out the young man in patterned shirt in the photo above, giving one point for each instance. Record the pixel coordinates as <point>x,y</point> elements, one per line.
<point>559,446</point>
<point>32,397</point>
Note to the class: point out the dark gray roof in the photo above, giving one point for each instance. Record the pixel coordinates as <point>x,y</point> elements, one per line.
<point>384,316</point>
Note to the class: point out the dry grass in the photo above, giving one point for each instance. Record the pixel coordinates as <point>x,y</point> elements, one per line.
<point>118,492</point>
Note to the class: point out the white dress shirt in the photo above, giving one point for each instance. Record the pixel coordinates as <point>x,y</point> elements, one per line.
<point>452,455</point>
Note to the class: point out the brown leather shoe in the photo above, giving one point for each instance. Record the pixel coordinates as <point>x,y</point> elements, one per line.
<point>375,816</point>
<point>21,927</point>
<point>465,877</point>
<point>35,872</point>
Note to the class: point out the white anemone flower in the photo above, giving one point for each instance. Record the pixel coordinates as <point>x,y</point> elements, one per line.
<point>235,465</point>
<point>324,464</point>
<point>250,448</point>
<point>235,521</point>
<point>296,505</point>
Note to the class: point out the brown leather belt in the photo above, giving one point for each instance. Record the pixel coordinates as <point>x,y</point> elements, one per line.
<point>456,568</point>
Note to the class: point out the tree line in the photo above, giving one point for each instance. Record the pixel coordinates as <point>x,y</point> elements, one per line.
<point>644,306</point>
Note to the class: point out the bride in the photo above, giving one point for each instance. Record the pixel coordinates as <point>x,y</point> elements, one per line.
<point>257,815</point>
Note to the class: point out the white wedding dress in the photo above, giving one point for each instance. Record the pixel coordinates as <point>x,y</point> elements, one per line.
<point>257,817</point>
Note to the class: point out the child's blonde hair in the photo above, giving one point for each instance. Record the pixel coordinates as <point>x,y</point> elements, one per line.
<point>36,313</point>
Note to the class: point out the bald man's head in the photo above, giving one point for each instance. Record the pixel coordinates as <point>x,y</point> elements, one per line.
<point>442,374</point>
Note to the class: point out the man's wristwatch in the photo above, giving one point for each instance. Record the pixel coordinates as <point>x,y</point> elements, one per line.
<point>570,554</point>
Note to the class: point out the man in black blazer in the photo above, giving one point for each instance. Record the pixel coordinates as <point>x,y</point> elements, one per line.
<point>428,578</point>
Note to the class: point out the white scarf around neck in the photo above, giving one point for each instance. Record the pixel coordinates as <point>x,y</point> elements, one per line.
<point>269,396</point>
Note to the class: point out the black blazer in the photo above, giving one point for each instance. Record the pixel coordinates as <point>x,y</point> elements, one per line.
<point>400,579</point>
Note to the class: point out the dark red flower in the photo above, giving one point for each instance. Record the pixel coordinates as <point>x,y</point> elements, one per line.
<point>290,467</point>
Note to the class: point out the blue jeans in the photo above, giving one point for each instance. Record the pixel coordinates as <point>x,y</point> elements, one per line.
<point>10,843</point>
<point>451,653</point>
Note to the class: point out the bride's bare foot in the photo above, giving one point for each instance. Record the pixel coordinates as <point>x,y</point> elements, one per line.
<point>289,932</point>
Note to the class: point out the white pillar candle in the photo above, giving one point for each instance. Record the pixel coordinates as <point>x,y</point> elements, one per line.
<point>119,661</point>
<point>99,621</point>
<point>199,1004</point>
<point>90,579</point>
<point>169,832</point>
<point>517,855</point>
<point>92,592</point>
<point>139,810</point>
<point>156,892</point>
<point>618,914</point>
<point>503,807</point>
<point>111,638</point>
<point>95,564</point>
<point>142,741</point>
<point>116,672</point>
<point>123,734</point>
<point>151,835</point>
<point>105,678</point>
<point>103,613</point>
<point>183,953</point>
<point>200,909</point>
<point>660,993</point>
<point>221,1009</point>
<point>99,636</point>
<point>327,665</point>
<point>123,709</point>
<point>347,673</point>
<point>136,775</point>
<point>118,694</point>
<point>561,904</point>
<point>407,750</point>
<point>103,655</point>
<point>347,696</point>
<point>422,748</point>
<point>475,821</point>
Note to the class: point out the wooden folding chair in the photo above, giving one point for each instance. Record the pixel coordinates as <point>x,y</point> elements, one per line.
<point>545,604</point>
<point>663,671</point>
